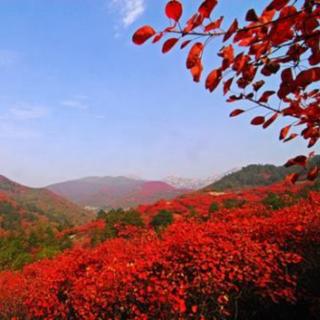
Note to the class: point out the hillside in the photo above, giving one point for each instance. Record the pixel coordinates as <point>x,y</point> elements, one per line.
<point>262,243</point>
<point>43,203</point>
<point>114,192</point>
<point>255,175</point>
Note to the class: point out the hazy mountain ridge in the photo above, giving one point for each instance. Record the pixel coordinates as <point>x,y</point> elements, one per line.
<point>194,183</point>
<point>43,202</point>
<point>114,192</point>
<point>256,175</point>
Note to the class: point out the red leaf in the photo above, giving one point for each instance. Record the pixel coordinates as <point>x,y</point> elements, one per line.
<point>236,112</point>
<point>168,44</point>
<point>291,137</point>
<point>227,85</point>
<point>277,4</point>
<point>196,71</point>
<point>257,121</point>
<point>213,25</point>
<point>184,44</point>
<point>143,34</point>
<point>286,75</point>
<point>270,121</point>
<point>233,28</point>
<point>307,77</point>
<point>194,54</point>
<point>206,7</point>
<point>174,10</point>
<point>157,37</point>
<point>213,79</point>
<point>227,53</point>
<point>266,95</point>
<point>284,132</point>
<point>299,160</point>
<point>257,85</point>
<point>251,15</point>
<point>270,68</point>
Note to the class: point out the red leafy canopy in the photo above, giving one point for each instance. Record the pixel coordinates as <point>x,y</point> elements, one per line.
<point>174,10</point>
<point>277,49</point>
<point>143,34</point>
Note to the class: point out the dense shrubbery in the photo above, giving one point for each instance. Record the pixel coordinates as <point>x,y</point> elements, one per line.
<point>18,249</point>
<point>250,262</point>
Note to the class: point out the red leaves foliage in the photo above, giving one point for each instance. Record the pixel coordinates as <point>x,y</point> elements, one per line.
<point>281,43</point>
<point>199,265</point>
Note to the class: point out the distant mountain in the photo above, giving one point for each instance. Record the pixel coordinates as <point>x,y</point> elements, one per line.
<point>39,203</point>
<point>256,175</point>
<point>193,183</point>
<point>188,183</point>
<point>114,192</point>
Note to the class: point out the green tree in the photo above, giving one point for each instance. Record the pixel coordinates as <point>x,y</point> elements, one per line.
<point>163,219</point>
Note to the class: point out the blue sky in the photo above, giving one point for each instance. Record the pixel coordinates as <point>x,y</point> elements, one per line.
<point>77,98</point>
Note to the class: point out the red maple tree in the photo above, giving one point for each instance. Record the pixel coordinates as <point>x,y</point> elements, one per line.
<point>281,43</point>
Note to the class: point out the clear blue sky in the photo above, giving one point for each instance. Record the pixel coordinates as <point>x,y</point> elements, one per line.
<point>78,99</point>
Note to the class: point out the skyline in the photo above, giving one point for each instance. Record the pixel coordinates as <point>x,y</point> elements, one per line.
<point>78,99</point>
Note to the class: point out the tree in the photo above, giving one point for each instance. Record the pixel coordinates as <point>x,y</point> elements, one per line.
<point>163,219</point>
<point>278,46</point>
<point>120,218</point>
<point>101,214</point>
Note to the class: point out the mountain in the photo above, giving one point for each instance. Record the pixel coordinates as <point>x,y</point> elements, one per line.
<point>114,192</point>
<point>188,183</point>
<point>40,203</point>
<point>256,175</point>
<point>193,183</point>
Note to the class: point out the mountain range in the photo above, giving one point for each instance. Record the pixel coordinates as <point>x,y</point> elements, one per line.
<point>19,204</point>
<point>114,192</point>
<point>256,175</point>
<point>194,183</point>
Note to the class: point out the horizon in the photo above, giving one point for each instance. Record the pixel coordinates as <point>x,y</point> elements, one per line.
<point>79,99</point>
<point>135,177</point>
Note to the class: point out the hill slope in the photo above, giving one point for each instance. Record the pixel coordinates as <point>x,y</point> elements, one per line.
<point>250,176</point>
<point>114,192</point>
<point>256,175</point>
<point>43,202</point>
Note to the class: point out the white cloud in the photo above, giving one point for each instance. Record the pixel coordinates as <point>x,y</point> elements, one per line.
<point>129,10</point>
<point>27,112</point>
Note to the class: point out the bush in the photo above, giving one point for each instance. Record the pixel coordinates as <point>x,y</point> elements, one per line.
<point>162,220</point>
<point>118,218</point>
<point>233,203</point>
<point>213,207</point>
<point>274,201</point>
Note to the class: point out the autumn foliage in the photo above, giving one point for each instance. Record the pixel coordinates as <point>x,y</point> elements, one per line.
<point>279,46</point>
<point>213,262</point>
